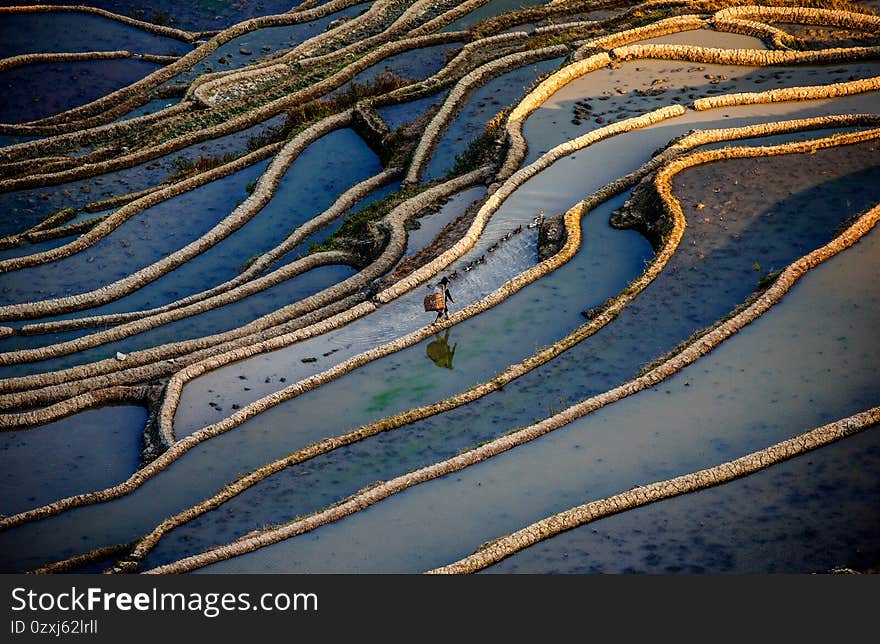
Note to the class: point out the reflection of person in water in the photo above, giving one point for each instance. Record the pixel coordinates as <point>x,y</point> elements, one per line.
<point>439,350</point>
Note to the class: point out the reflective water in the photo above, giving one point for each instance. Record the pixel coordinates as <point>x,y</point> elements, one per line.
<point>488,10</point>
<point>308,187</point>
<point>145,238</point>
<point>401,113</point>
<point>196,16</point>
<point>414,65</point>
<point>636,87</point>
<point>28,33</point>
<point>51,88</point>
<point>252,46</point>
<point>713,270</point>
<point>807,515</point>
<point>613,257</point>
<point>90,450</point>
<point>809,360</point>
<point>431,224</point>
<point>553,190</point>
<point>483,104</point>
<point>29,207</point>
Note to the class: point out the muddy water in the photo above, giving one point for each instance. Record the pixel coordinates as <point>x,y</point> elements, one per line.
<point>809,360</point>
<point>84,452</point>
<point>807,515</point>
<point>30,33</point>
<point>712,272</point>
<point>637,87</point>
<point>707,38</point>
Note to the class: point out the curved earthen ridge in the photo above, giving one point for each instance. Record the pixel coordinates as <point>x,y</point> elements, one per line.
<point>262,335</point>
<point>464,61</point>
<point>668,368</point>
<point>790,94</point>
<point>118,332</point>
<point>126,212</point>
<point>802,15</point>
<point>137,90</point>
<point>447,17</point>
<point>747,57</point>
<point>512,120</point>
<point>641,495</point>
<point>34,59</point>
<point>286,100</point>
<point>731,19</point>
<point>412,280</point>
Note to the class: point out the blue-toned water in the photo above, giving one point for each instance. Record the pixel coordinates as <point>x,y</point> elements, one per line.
<point>483,104</point>
<point>23,209</point>
<point>809,360</point>
<point>51,88</point>
<point>811,514</point>
<point>90,450</point>
<point>71,31</point>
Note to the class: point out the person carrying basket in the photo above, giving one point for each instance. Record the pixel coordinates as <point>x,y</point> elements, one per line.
<point>436,301</point>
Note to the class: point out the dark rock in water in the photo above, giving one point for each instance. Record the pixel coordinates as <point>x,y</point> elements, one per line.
<point>551,237</point>
<point>309,359</point>
<point>371,127</point>
<point>592,313</point>
<point>644,212</point>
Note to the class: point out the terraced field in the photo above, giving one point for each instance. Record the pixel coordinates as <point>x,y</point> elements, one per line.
<point>656,221</point>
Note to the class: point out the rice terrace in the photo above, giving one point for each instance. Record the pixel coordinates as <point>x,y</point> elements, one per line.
<point>655,226</point>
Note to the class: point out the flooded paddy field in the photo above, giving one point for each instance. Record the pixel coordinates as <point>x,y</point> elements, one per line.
<point>234,359</point>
